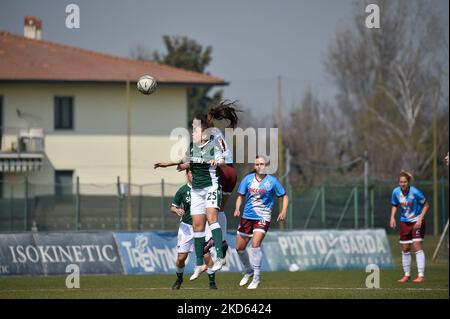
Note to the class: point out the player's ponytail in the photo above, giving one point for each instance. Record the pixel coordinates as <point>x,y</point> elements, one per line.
<point>225,110</point>
<point>409,177</point>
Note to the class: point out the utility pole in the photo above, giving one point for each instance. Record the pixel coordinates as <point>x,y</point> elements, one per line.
<point>280,135</point>
<point>290,217</point>
<point>366,190</point>
<point>435,177</point>
<point>129,207</point>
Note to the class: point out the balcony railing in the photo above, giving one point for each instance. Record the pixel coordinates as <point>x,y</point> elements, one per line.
<point>21,150</point>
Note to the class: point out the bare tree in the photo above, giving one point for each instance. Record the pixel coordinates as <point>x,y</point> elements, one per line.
<point>384,78</point>
<point>314,141</point>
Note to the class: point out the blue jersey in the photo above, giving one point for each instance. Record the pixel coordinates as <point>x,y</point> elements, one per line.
<point>259,196</point>
<point>410,204</point>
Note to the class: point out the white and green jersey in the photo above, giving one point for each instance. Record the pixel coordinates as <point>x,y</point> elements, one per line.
<point>203,173</point>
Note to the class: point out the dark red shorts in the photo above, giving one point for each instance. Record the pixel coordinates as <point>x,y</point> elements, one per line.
<point>228,178</point>
<point>408,234</point>
<point>248,226</point>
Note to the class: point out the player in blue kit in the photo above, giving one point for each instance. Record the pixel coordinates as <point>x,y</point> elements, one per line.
<point>413,208</point>
<point>259,190</point>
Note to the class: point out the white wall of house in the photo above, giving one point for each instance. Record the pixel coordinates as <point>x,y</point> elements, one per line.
<point>96,149</point>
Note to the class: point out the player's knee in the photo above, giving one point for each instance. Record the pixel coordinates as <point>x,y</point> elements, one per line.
<point>417,246</point>
<point>180,262</point>
<point>198,226</point>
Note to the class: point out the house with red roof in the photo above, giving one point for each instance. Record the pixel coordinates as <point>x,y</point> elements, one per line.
<point>64,115</point>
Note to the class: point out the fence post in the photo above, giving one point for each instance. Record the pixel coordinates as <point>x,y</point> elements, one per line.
<point>443,194</point>
<point>366,190</point>
<point>25,215</point>
<point>119,204</point>
<point>140,208</point>
<point>163,216</point>
<point>290,208</point>
<point>372,207</point>
<point>322,206</point>
<point>355,202</point>
<point>11,207</point>
<point>77,206</point>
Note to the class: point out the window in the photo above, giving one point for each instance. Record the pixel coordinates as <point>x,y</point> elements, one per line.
<point>63,113</point>
<point>63,182</point>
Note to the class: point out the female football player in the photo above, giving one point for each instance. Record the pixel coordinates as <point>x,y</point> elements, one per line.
<point>225,110</point>
<point>413,208</point>
<point>259,190</point>
<point>204,161</point>
<point>203,158</point>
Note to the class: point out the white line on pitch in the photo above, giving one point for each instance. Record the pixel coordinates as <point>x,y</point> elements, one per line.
<point>261,288</point>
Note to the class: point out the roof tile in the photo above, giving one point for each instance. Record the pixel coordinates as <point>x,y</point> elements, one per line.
<point>24,59</point>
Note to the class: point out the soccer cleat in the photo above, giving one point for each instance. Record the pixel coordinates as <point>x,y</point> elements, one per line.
<point>245,279</point>
<point>198,271</point>
<point>419,279</point>
<point>177,284</point>
<point>404,279</point>
<point>212,285</point>
<point>254,284</point>
<point>218,264</point>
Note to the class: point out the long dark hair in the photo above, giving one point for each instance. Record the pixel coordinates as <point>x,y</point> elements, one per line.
<point>203,118</point>
<point>225,110</point>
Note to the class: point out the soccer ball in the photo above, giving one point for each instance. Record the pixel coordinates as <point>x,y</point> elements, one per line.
<point>147,84</point>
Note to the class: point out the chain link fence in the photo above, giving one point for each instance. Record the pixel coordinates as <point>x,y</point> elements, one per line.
<point>55,207</point>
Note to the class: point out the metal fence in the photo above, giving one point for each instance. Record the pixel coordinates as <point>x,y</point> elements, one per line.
<point>49,207</point>
<point>342,207</point>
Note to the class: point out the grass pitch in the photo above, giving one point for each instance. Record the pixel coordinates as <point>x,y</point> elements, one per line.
<point>275,285</point>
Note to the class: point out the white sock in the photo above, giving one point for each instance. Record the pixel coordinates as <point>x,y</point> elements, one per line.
<point>420,258</point>
<point>256,262</point>
<point>209,271</point>
<point>243,256</point>
<point>222,219</point>
<point>406,261</point>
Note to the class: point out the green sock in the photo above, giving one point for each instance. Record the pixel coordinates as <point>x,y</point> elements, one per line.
<point>198,245</point>
<point>179,275</point>
<point>217,238</point>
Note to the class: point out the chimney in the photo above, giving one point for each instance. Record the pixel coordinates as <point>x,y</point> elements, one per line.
<point>32,28</point>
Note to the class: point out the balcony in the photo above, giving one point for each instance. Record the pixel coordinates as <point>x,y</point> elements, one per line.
<point>22,151</point>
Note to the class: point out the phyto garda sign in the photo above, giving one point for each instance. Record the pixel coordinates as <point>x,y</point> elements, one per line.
<point>327,249</point>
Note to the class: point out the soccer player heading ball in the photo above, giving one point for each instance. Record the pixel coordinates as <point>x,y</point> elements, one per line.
<point>413,207</point>
<point>259,190</point>
<point>209,157</point>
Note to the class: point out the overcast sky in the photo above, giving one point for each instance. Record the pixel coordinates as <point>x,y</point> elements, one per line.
<point>253,41</point>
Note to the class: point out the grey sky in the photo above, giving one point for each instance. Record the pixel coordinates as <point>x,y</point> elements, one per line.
<point>253,41</point>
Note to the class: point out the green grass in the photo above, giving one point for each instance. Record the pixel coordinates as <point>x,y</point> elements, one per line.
<point>276,285</point>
